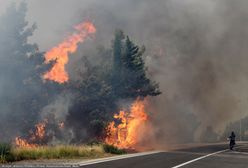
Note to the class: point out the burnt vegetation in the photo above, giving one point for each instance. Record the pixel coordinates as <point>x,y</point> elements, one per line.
<point>121,75</point>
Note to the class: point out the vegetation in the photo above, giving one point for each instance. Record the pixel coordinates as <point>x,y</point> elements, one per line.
<point>119,74</point>
<point>5,152</point>
<point>57,152</point>
<point>10,154</point>
<point>112,149</point>
<point>23,92</point>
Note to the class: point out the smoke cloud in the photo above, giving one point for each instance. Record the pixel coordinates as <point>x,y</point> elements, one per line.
<point>196,50</point>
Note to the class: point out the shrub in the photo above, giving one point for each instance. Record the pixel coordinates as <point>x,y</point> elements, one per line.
<point>5,152</point>
<point>112,149</point>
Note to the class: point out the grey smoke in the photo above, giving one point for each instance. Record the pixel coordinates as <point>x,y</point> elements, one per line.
<point>196,50</point>
<point>59,108</point>
<point>56,112</point>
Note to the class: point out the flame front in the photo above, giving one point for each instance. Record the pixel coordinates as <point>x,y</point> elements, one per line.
<point>127,133</point>
<point>37,135</point>
<point>20,142</point>
<point>59,54</point>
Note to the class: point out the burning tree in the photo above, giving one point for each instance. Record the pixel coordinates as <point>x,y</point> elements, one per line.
<point>120,75</point>
<point>129,81</point>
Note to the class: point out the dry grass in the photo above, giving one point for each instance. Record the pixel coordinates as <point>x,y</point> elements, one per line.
<point>57,152</point>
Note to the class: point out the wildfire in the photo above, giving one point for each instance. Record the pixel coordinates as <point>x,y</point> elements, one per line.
<point>23,143</point>
<point>37,135</point>
<point>61,125</point>
<point>59,54</point>
<point>127,133</point>
<point>39,131</point>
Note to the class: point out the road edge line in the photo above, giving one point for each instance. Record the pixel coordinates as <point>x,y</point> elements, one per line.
<point>95,161</point>
<point>199,158</point>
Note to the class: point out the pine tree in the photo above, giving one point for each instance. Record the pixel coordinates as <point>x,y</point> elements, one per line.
<point>118,50</point>
<point>130,79</point>
<point>117,62</point>
<point>22,91</point>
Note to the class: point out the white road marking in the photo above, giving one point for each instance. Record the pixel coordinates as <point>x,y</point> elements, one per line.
<point>89,162</point>
<point>199,158</point>
<point>95,161</point>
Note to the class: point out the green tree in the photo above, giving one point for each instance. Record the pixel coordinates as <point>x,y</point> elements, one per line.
<point>117,70</point>
<point>130,74</point>
<point>22,91</point>
<point>93,101</point>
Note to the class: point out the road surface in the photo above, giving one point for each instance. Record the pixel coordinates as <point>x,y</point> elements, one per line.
<point>210,156</point>
<point>207,156</point>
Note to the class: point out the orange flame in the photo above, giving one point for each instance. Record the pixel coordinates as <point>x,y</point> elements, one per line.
<point>39,131</point>
<point>23,143</point>
<point>61,125</point>
<point>59,54</point>
<point>127,133</point>
<point>37,135</point>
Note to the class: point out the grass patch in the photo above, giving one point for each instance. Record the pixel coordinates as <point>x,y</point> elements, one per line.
<point>57,152</point>
<point>5,152</point>
<point>113,150</point>
<point>11,154</point>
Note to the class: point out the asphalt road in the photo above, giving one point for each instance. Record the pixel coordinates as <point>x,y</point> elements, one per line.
<point>206,156</point>
<point>226,159</point>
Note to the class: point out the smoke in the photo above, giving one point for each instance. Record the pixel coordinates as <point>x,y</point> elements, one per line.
<point>57,109</point>
<point>203,73</point>
<point>56,113</point>
<point>196,50</point>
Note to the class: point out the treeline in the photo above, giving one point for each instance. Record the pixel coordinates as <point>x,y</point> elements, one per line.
<point>121,75</point>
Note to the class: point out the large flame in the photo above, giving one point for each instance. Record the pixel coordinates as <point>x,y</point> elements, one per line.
<point>59,54</point>
<point>126,134</point>
<point>39,131</point>
<point>20,142</point>
<point>37,135</point>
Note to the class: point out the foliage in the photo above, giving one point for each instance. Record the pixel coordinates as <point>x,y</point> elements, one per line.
<point>5,152</point>
<point>122,75</point>
<point>129,79</point>
<point>23,93</point>
<point>119,74</point>
<point>113,150</point>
